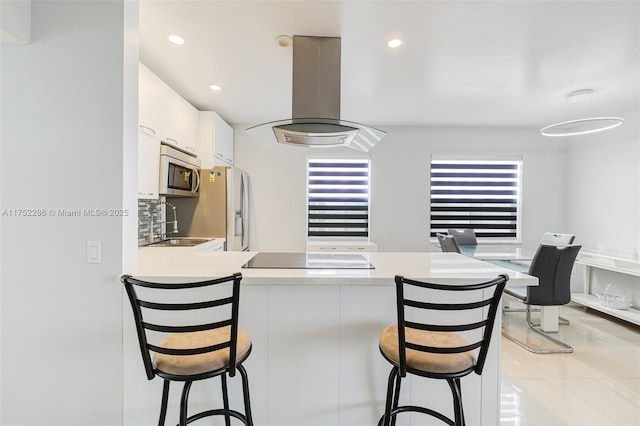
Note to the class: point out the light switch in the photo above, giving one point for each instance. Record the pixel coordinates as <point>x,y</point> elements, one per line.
<point>94,251</point>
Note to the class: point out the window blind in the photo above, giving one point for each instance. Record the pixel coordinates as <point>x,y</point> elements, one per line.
<point>338,198</point>
<point>477,194</point>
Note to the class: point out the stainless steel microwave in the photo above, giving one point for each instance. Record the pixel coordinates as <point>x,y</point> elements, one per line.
<point>179,173</point>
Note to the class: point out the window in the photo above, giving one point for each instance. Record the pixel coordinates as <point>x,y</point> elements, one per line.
<point>483,195</point>
<point>338,198</point>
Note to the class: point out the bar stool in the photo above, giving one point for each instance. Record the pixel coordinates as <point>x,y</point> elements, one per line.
<point>448,347</point>
<point>193,352</point>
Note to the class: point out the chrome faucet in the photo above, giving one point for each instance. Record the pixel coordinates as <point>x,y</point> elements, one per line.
<point>151,223</point>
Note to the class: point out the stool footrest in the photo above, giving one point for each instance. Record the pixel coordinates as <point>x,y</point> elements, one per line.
<point>217,412</point>
<point>414,408</point>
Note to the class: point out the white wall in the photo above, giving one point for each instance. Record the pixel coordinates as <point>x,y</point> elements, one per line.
<point>63,142</point>
<point>399,183</point>
<point>603,198</point>
<point>602,188</point>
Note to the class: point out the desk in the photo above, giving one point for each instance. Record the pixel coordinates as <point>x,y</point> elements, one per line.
<point>490,253</point>
<point>315,332</point>
<point>506,256</point>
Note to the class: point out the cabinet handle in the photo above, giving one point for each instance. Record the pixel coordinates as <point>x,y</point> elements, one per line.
<point>147,130</point>
<point>197,184</point>
<point>173,140</point>
<point>190,149</point>
<point>220,156</point>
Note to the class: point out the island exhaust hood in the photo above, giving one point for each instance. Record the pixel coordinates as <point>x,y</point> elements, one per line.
<point>315,108</point>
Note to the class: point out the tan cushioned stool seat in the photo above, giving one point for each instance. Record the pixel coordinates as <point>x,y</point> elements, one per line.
<point>425,361</point>
<point>196,364</point>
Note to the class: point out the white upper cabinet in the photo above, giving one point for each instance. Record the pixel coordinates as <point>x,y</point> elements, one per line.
<point>148,166</point>
<point>163,115</point>
<point>224,142</point>
<point>190,121</point>
<point>172,107</point>
<point>151,93</point>
<point>216,141</point>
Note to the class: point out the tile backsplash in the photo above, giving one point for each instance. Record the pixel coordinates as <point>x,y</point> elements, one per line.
<point>144,208</point>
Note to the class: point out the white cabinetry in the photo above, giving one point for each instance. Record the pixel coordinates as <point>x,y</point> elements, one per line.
<point>215,146</point>
<point>190,121</point>
<point>151,91</point>
<point>163,115</point>
<point>150,95</point>
<point>148,166</point>
<point>172,117</point>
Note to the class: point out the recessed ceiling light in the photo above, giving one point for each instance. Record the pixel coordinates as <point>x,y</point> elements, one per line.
<point>284,40</point>
<point>393,43</point>
<point>215,87</point>
<point>581,95</point>
<point>176,39</point>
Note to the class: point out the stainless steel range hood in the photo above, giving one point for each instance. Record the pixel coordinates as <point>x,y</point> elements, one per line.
<point>315,120</point>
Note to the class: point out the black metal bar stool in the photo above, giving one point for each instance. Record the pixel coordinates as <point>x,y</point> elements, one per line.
<point>214,346</point>
<point>438,349</point>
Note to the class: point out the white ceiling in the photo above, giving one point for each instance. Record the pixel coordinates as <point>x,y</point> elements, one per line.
<point>471,63</point>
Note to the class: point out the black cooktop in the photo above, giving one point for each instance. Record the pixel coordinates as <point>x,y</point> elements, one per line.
<point>279,260</point>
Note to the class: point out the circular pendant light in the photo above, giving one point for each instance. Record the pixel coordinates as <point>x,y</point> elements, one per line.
<point>582,127</point>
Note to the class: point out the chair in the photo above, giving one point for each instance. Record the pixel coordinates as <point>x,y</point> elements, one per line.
<point>552,265</point>
<point>553,239</point>
<point>464,237</point>
<point>448,349</point>
<point>548,239</point>
<point>448,243</point>
<point>213,346</point>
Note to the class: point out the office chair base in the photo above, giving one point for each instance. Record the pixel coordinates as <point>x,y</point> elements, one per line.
<point>561,320</point>
<point>564,348</point>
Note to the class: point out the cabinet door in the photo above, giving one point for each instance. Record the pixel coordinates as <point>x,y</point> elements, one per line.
<point>190,120</point>
<point>223,142</point>
<point>148,166</point>
<point>172,118</point>
<point>150,94</point>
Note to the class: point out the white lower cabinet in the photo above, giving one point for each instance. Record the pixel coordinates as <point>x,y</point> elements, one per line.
<point>315,362</point>
<point>304,360</point>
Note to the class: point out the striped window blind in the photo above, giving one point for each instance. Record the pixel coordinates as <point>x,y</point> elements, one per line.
<point>338,198</point>
<point>482,195</point>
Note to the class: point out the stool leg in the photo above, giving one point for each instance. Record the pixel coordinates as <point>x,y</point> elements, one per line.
<point>245,394</point>
<point>163,406</point>
<point>396,398</point>
<point>225,399</point>
<point>386,418</point>
<point>454,384</point>
<point>183,403</point>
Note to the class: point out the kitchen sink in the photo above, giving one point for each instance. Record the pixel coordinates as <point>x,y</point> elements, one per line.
<point>178,242</point>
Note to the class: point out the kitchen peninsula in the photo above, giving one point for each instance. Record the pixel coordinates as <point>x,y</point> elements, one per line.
<point>315,358</point>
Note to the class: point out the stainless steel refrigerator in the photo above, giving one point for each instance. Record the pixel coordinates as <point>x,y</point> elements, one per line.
<point>221,210</point>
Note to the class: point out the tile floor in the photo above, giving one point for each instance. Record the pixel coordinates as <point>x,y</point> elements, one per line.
<point>597,384</point>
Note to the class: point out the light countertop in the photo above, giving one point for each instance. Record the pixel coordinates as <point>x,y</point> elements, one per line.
<point>184,264</point>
